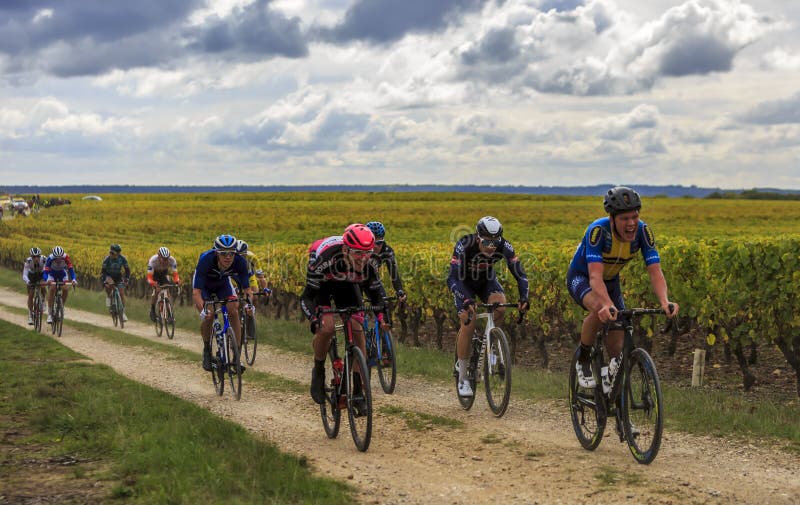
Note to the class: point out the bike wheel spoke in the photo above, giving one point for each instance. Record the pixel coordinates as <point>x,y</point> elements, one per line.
<point>497,372</point>
<point>587,422</point>
<point>386,361</point>
<point>359,403</point>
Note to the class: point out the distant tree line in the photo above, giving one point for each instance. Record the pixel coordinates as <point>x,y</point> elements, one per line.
<point>752,194</point>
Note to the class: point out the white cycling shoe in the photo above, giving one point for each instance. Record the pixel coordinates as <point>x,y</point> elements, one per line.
<point>587,382</point>
<point>465,389</point>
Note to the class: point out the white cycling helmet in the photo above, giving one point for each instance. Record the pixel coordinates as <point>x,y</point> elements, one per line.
<point>163,252</point>
<point>58,252</point>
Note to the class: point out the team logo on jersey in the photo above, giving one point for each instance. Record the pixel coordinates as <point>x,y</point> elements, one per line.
<point>649,237</point>
<point>595,235</point>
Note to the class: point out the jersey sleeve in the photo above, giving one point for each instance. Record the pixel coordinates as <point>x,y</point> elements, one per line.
<point>648,244</point>
<point>594,239</point>
<point>516,269</point>
<point>457,264</point>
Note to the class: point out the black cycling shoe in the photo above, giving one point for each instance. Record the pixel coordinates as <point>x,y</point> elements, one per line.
<point>318,385</point>
<point>153,313</point>
<point>207,360</point>
<point>360,406</point>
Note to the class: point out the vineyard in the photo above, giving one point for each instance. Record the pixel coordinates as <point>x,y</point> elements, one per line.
<point>732,265</point>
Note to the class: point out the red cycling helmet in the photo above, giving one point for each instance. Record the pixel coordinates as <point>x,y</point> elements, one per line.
<point>358,236</point>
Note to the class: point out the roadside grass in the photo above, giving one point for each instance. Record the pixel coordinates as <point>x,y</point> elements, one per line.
<point>154,447</point>
<point>697,411</point>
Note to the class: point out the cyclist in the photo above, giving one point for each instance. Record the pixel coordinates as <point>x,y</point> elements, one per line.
<point>257,277</point>
<point>58,267</point>
<point>111,273</point>
<point>383,254</point>
<point>336,270</point>
<point>213,276</point>
<point>32,274</point>
<point>472,274</point>
<point>160,266</point>
<point>593,276</point>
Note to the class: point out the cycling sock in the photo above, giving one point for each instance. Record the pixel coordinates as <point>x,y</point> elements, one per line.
<point>463,364</point>
<point>207,346</point>
<point>586,353</point>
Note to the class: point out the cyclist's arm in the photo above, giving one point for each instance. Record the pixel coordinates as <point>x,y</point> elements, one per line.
<point>25,271</point>
<point>127,269</point>
<point>516,269</point>
<point>394,271</point>
<point>454,281</point>
<point>659,284</point>
<point>70,269</point>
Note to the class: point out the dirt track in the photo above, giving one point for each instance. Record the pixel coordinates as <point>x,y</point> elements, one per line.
<point>538,459</point>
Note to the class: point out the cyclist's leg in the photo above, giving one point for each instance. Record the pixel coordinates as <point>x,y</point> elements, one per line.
<point>614,340</point>
<point>122,294</point>
<point>323,333</point>
<point>108,282</point>
<point>31,287</point>
<point>464,338</point>
<point>65,291</point>
<point>494,294</point>
<point>349,295</point>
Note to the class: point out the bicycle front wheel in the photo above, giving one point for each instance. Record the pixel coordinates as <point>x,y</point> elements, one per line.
<point>117,308</point>
<point>359,404</point>
<point>217,368</point>
<point>387,363</point>
<point>587,420</point>
<point>329,409</point>
<point>642,407</point>
<point>58,319</point>
<point>37,312</point>
<point>249,338</point>
<point>159,322</point>
<point>497,372</point>
<point>234,364</point>
<point>168,319</point>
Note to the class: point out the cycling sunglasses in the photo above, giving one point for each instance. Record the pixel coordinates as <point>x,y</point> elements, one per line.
<point>490,242</point>
<point>379,242</point>
<point>226,254</point>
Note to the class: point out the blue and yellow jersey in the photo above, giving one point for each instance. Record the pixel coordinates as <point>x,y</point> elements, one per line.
<point>600,245</point>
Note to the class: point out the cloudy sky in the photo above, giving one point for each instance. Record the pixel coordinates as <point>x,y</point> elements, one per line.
<point>532,92</point>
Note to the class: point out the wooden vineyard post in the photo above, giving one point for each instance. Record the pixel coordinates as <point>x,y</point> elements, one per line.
<point>699,367</point>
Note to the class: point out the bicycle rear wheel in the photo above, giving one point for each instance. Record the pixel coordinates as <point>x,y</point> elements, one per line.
<point>587,419</point>
<point>359,406</point>
<point>234,364</point>
<point>159,322</point>
<point>465,401</point>
<point>642,407</point>
<point>329,409</point>
<point>497,372</point>
<point>58,319</point>
<point>168,319</point>
<point>249,338</point>
<point>387,363</point>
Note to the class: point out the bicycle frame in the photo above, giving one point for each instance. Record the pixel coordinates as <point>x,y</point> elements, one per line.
<point>373,332</point>
<point>220,330</point>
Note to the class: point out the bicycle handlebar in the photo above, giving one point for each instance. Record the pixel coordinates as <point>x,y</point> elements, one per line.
<point>494,306</point>
<point>639,312</point>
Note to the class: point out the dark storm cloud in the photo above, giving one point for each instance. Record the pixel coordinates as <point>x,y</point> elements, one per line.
<point>698,55</point>
<point>782,111</point>
<point>254,30</point>
<point>91,37</point>
<point>383,21</point>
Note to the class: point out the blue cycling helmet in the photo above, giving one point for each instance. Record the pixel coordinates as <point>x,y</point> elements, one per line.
<point>377,229</point>
<point>225,243</point>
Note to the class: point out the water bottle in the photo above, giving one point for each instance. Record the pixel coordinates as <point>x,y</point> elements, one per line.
<point>605,379</point>
<point>613,368</point>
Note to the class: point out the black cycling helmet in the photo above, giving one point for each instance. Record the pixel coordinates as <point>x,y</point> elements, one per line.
<point>621,199</point>
<point>116,248</point>
<point>225,243</point>
<point>489,227</point>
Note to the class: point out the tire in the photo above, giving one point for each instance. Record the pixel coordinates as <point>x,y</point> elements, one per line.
<point>387,362</point>
<point>117,308</point>
<point>37,311</point>
<point>58,320</point>
<point>234,364</point>
<point>588,421</point>
<point>159,322</point>
<point>251,340</point>
<point>217,371</point>
<point>329,409</point>
<point>465,401</point>
<point>169,319</point>
<point>497,372</point>
<point>642,406</point>
<point>360,426</point>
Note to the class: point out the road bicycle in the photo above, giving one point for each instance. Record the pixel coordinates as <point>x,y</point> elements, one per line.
<point>117,308</point>
<point>340,391</point>
<point>248,324</point>
<point>626,387</point>
<point>226,358</point>
<point>57,314</point>
<point>490,349</point>
<point>38,306</point>
<point>165,316</point>
<point>381,349</point>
